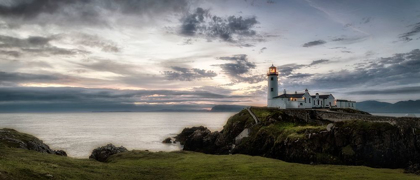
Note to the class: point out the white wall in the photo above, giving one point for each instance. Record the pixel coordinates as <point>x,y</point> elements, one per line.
<point>272,90</point>
<point>278,103</point>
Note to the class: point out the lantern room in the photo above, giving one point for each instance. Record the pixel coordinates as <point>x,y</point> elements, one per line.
<point>272,71</point>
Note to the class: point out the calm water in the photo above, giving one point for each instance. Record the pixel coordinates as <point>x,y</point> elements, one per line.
<point>79,133</point>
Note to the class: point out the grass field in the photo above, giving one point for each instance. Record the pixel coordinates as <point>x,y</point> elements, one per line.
<point>25,164</point>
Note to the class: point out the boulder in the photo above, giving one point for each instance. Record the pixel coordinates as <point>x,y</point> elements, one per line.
<point>102,153</point>
<point>167,141</point>
<point>187,132</point>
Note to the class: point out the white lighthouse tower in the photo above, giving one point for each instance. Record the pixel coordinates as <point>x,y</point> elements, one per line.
<point>272,84</point>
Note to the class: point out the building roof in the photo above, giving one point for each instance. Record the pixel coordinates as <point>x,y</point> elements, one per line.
<point>343,100</point>
<point>290,96</point>
<point>322,96</point>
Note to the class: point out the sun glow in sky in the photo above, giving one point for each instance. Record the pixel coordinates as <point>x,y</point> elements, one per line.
<point>196,54</point>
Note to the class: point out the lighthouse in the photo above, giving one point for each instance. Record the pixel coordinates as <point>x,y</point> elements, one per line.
<point>272,84</point>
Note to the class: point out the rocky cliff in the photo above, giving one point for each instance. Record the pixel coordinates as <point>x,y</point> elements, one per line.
<point>313,136</point>
<point>15,139</point>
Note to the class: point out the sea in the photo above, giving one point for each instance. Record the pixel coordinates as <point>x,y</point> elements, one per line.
<point>79,133</point>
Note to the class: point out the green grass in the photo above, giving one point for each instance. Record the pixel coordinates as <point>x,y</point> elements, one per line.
<point>25,164</point>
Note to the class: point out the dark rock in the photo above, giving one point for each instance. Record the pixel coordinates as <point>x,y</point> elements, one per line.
<point>187,132</point>
<point>203,140</point>
<point>102,153</point>
<point>60,153</point>
<point>15,139</point>
<point>167,141</point>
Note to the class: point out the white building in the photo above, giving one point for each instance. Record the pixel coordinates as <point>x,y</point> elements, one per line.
<point>300,100</point>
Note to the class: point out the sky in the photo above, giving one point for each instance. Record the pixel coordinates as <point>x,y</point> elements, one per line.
<point>194,54</point>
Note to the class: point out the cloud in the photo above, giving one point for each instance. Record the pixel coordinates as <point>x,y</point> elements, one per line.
<point>239,69</point>
<point>262,50</point>
<point>233,29</point>
<point>85,99</point>
<point>349,40</point>
<point>7,77</point>
<point>314,43</point>
<point>186,74</point>
<point>36,45</point>
<point>10,53</point>
<point>288,70</point>
<point>408,36</point>
<point>106,65</point>
<point>86,12</point>
<point>390,91</point>
<point>366,20</point>
<point>89,41</point>
<point>397,70</point>
<point>321,61</point>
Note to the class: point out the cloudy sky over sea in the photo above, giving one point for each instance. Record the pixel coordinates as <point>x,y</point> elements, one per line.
<point>195,54</point>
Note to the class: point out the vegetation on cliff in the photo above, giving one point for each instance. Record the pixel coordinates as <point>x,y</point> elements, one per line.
<point>304,136</point>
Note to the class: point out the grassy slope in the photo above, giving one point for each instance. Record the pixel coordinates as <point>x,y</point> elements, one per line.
<point>25,164</point>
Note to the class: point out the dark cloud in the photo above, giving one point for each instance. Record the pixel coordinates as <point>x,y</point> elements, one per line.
<point>84,99</point>
<point>30,42</point>
<point>10,53</point>
<point>9,78</point>
<point>16,78</point>
<point>288,70</point>
<point>240,65</point>
<point>87,12</point>
<point>397,70</point>
<point>366,20</point>
<point>321,61</point>
<point>230,29</point>
<point>300,75</point>
<point>262,50</point>
<point>35,45</point>
<point>314,43</point>
<point>239,70</point>
<point>387,91</point>
<point>186,74</point>
<point>349,40</point>
<point>415,29</point>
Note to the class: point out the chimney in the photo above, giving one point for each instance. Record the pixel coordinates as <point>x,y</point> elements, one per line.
<point>284,91</point>
<point>295,92</point>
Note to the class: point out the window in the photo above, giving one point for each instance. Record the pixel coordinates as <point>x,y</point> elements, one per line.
<point>318,102</point>
<point>271,78</point>
<point>305,99</point>
<point>301,104</point>
<point>272,89</point>
<point>309,100</point>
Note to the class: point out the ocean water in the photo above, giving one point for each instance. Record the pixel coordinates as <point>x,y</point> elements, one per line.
<point>79,133</point>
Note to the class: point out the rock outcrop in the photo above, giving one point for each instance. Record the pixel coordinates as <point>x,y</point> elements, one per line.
<point>305,137</point>
<point>167,140</point>
<point>102,153</point>
<point>15,139</point>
